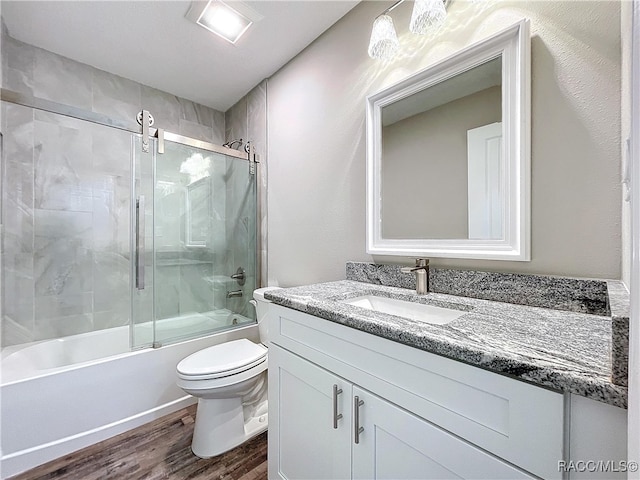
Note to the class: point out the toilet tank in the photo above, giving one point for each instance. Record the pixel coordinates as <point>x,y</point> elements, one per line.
<point>262,311</point>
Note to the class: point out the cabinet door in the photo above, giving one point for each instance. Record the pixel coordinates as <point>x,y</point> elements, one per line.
<point>303,443</point>
<point>395,444</point>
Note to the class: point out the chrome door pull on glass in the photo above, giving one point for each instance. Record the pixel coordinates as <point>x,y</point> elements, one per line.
<point>140,243</point>
<point>336,416</point>
<point>357,429</point>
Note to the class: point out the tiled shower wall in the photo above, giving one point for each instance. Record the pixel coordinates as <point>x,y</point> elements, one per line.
<point>66,192</point>
<point>247,119</point>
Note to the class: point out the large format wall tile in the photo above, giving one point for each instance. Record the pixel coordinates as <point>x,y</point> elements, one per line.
<point>62,80</point>
<point>18,61</point>
<point>195,130</point>
<point>167,291</point>
<point>248,119</point>
<point>63,255</point>
<point>115,96</point>
<point>195,293</point>
<point>236,121</point>
<point>164,107</point>
<point>18,298</point>
<point>63,176</point>
<point>196,113</point>
<point>218,136</point>
<point>18,179</point>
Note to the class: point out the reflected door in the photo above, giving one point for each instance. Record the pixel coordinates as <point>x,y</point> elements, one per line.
<point>485,180</point>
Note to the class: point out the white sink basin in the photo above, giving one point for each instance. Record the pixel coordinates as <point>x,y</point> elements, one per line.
<point>402,308</point>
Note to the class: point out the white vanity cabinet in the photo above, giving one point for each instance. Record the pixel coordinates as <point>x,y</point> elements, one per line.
<point>329,428</point>
<point>308,445</point>
<point>423,416</point>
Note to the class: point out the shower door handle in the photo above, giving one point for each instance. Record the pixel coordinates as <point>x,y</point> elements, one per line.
<point>140,243</point>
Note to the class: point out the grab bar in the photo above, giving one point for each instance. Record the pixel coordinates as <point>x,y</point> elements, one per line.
<point>140,243</point>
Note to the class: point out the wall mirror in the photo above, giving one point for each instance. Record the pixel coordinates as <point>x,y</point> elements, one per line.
<point>448,156</point>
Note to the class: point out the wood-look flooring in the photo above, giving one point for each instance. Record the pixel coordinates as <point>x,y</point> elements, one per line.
<point>157,450</point>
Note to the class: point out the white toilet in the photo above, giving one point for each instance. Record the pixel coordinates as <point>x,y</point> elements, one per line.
<point>230,381</point>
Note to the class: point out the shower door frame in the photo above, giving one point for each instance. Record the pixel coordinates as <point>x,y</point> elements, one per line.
<point>27,100</point>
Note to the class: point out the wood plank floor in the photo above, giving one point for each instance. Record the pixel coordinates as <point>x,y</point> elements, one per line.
<point>157,450</point>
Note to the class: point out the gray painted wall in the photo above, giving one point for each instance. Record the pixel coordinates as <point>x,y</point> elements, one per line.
<point>316,119</point>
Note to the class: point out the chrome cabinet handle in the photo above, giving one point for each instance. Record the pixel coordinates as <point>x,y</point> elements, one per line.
<point>336,416</point>
<point>140,254</point>
<point>357,430</point>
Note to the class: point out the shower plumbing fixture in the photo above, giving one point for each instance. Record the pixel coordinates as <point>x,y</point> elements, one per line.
<point>232,142</point>
<point>235,293</point>
<point>239,276</point>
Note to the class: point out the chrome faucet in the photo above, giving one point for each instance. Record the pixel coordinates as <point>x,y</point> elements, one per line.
<point>235,293</point>
<point>422,274</point>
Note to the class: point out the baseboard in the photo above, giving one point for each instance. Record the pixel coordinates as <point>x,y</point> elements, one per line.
<point>24,460</point>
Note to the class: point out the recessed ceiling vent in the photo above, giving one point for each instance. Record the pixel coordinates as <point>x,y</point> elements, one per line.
<point>229,20</point>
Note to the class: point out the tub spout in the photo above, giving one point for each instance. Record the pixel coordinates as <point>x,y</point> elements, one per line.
<point>235,293</point>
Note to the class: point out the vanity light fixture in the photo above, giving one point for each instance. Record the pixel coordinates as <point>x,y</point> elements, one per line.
<point>227,20</point>
<point>384,42</point>
<point>426,15</point>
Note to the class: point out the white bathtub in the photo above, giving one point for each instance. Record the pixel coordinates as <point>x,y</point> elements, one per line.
<point>58,396</point>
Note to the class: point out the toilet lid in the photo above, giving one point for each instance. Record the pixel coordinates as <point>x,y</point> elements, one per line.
<point>226,358</point>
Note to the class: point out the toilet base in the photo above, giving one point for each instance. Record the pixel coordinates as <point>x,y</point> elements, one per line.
<point>221,426</point>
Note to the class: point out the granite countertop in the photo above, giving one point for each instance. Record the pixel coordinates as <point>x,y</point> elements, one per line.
<point>561,350</point>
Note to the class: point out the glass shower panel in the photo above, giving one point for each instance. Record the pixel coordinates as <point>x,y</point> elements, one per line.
<point>142,244</point>
<point>204,232</point>
<point>66,188</point>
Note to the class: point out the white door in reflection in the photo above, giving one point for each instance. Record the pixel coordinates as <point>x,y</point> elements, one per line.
<point>485,180</point>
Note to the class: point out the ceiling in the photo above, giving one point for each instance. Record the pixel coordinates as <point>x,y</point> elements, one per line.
<point>152,42</point>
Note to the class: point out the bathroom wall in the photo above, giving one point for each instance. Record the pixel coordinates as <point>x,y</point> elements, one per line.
<point>247,119</point>
<point>66,193</point>
<point>626,48</point>
<point>316,118</point>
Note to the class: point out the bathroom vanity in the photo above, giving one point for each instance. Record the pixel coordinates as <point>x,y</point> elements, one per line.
<point>501,391</point>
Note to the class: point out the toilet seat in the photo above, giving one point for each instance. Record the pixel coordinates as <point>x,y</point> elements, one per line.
<point>223,360</point>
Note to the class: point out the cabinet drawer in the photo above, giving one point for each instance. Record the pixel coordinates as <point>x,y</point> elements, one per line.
<point>518,422</point>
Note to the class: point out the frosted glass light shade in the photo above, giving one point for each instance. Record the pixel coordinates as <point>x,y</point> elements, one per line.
<point>427,14</point>
<point>384,43</point>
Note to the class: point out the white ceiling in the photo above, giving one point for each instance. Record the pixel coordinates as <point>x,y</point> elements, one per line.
<point>152,42</point>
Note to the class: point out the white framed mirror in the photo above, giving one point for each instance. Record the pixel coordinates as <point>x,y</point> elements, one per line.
<point>448,156</point>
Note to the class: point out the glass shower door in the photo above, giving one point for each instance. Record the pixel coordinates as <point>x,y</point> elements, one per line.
<point>204,216</point>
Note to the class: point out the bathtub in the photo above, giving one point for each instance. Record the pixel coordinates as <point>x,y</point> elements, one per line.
<point>61,395</point>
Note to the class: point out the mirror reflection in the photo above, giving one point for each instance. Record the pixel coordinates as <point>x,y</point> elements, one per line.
<point>442,162</point>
